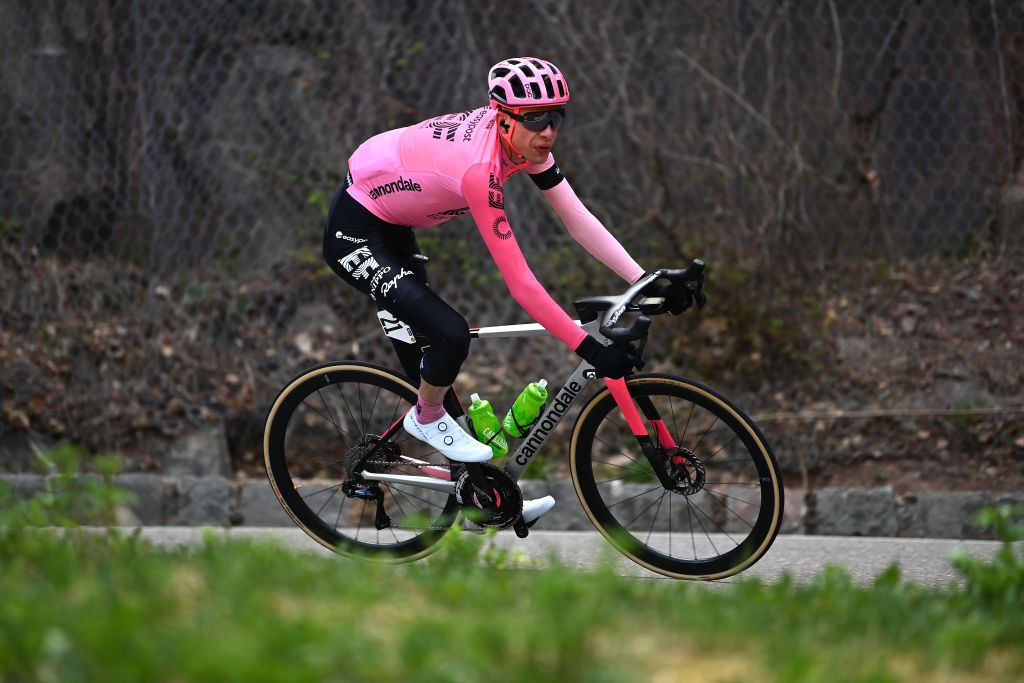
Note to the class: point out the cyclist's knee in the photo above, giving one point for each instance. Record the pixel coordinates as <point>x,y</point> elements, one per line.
<point>458,338</point>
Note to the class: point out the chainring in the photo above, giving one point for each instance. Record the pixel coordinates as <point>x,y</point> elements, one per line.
<point>505,490</point>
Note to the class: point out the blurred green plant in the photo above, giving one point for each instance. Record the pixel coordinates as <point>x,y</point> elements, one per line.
<point>71,498</point>
<point>106,607</point>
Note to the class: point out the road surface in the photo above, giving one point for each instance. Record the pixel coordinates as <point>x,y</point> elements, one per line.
<point>924,561</point>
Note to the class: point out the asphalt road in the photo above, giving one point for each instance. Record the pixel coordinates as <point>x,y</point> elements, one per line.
<point>924,561</point>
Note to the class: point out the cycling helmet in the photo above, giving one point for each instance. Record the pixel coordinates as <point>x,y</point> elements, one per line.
<point>526,82</point>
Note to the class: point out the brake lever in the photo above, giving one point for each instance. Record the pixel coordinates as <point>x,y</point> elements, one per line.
<point>622,336</point>
<point>699,296</point>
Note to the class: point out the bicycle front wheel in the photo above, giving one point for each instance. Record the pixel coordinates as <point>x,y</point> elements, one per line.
<point>725,504</point>
<point>316,429</point>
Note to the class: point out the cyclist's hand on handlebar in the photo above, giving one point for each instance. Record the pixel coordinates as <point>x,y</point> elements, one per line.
<point>608,361</point>
<point>678,298</point>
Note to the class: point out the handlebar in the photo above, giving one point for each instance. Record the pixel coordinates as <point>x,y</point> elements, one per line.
<point>692,277</point>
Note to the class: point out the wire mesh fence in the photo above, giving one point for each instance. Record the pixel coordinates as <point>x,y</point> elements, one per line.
<point>165,167</point>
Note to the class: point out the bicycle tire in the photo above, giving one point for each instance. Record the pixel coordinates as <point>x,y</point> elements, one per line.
<point>601,443</point>
<point>312,425</point>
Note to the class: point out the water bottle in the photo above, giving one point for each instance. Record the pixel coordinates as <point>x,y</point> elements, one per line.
<point>485,424</point>
<point>526,409</point>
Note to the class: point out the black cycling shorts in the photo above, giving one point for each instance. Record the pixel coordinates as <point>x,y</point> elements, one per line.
<point>380,260</point>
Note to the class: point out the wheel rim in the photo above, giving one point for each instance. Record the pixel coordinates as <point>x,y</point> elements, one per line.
<point>315,423</point>
<point>715,532</point>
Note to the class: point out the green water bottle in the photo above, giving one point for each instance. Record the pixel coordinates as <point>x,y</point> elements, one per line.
<point>485,424</point>
<point>526,408</point>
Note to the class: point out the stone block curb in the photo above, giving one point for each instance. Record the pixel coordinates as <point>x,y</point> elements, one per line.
<point>879,511</point>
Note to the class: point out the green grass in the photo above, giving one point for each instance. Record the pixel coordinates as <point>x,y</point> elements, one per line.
<point>107,606</point>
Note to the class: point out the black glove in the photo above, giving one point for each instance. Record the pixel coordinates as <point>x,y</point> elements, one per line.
<point>677,297</point>
<point>608,361</point>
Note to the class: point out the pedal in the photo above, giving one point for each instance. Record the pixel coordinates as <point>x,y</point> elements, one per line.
<point>520,527</point>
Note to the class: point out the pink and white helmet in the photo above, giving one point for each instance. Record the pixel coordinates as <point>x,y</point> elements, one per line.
<point>526,82</point>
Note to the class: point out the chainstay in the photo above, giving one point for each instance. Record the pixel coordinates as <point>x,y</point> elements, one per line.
<point>420,528</point>
<point>389,464</point>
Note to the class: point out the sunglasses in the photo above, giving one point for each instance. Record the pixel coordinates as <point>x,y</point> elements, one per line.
<point>537,121</point>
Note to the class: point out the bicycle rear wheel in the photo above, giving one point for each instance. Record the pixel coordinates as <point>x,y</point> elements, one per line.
<point>315,428</point>
<point>725,506</point>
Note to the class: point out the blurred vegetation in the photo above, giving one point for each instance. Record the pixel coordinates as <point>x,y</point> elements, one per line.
<point>108,606</point>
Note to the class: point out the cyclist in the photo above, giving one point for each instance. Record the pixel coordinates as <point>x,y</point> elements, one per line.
<point>448,166</point>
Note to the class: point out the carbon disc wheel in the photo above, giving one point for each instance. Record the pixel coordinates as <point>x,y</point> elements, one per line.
<point>319,431</point>
<point>725,506</point>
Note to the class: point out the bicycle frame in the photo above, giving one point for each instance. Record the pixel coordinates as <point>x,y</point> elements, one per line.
<point>558,407</point>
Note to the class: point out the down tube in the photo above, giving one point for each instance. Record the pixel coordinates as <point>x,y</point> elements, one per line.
<point>556,410</point>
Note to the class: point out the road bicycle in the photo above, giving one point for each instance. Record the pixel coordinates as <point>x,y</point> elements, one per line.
<point>673,474</point>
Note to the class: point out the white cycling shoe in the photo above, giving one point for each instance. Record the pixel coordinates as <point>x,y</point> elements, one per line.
<point>448,437</point>
<point>533,509</point>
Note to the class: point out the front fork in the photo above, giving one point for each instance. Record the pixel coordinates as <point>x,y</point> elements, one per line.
<point>620,392</point>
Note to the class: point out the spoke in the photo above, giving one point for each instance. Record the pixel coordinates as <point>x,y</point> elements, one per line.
<point>327,409</point>
<point>689,518</point>
<point>316,493</point>
<point>632,497</point>
<point>672,409</point>
<point>670,526</point>
<point>322,457</point>
<point>394,535</point>
<point>359,526</point>
<point>401,509</point>
<point>329,499</point>
<point>624,455</point>
<point>708,517</point>
<point>641,513</point>
<point>687,426</point>
<point>348,408</point>
<point>623,467</point>
<point>374,407</point>
<point>735,436</point>
<point>726,462</point>
<point>394,415</point>
<point>705,434</point>
<point>625,478</point>
<point>337,520</point>
<point>359,395</point>
<point>413,495</point>
<point>726,495</point>
<point>650,529</point>
<point>328,418</point>
<point>734,513</point>
<point>706,534</point>
<point>616,423</point>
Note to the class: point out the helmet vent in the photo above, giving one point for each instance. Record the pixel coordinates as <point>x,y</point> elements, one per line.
<point>499,72</point>
<point>535,91</point>
<point>527,71</point>
<point>511,61</point>
<point>553,69</point>
<point>537,64</point>
<point>547,86</point>
<point>517,86</point>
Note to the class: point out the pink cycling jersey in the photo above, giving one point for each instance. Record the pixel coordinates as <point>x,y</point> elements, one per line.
<point>450,165</point>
